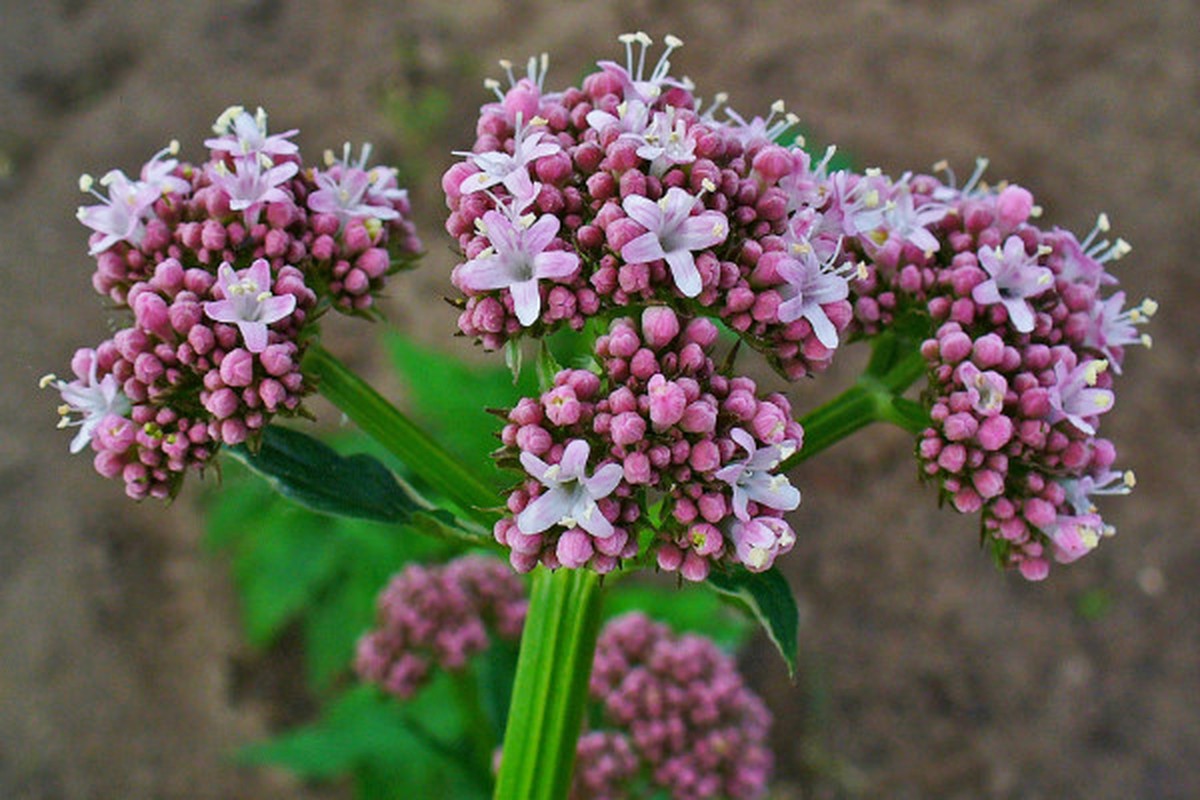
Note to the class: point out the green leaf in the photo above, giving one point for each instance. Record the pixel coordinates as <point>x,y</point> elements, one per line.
<point>770,599</point>
<point>547,366</point>
<point>317,477</point>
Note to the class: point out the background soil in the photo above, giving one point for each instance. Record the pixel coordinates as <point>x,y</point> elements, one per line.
<point>924,672</point>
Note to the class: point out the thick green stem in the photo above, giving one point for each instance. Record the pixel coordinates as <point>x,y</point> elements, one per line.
<point>385,423</point>
<point>875,397</point>
<point>550,689</point>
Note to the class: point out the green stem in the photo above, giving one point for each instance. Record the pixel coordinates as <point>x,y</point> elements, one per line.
<point>389,426</point>
<point>875,397</point>
<point>550,689</point>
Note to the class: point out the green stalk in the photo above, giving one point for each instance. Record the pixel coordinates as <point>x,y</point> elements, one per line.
<point>877,396</point>
<point>550,689</point>
<point>385,423</point>
<point>479,727</point>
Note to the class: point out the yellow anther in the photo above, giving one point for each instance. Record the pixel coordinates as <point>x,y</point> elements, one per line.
<point>1147,341</point>
<point>263,296</point>
<point>1119,250</point>
<point>1102,222</point>
<point>707,185</point>
<point>778,107</point>
<point>47,379</point>
<point>63,410</point>
<point>86,182</point>
<point>1035,211</point>
<point>672,41</point>
<point>1129,479</point>
<point>627,38</point>
<point>1149,307</point>
<point>941,166</point>
<point>1093,369</point>
<point>1044,250</point>
<point>505,64</point>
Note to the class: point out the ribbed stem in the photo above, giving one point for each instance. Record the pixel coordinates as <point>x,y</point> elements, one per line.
<point>550,690</point>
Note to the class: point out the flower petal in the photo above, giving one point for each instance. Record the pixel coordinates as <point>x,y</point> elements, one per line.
<point>527,301</point>
<point>545,511</point>
<point>643,249</point>
<point>683,270</point>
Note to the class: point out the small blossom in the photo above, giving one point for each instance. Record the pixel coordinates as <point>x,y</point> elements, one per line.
<point>250,186</point>
<point>673,234</point>
<point>517,261</point>
<point>243,135</point>
<point>751,478</point>
<point>93,399</point>
<point>571,499</point>
<point>121,216</point>
<point>1074,397</point>
<point>1014,277</point>
<point>248,302</point>
<point>808,286</point>
<point>345,193</point>
<point>512,171</point>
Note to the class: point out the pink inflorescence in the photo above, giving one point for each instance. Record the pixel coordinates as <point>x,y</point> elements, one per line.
<point>675,714</point>
<point>1021,362</point>
<point>624,191</point>
<point>439,617</point>
<point>224,267</point>
<point>659,428</point>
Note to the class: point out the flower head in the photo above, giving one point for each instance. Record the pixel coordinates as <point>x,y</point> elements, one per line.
<point>248,302</point>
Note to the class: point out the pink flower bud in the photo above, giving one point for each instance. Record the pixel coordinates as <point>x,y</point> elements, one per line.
<point>222,403</point>
<point>667,402</point>
<point>1014,205</point>
<point>705,456</point>
<point>1039,513</point>
<point>637,468</point>
<point>713,507</point>
<point>699,417</point>
<point>534,439</point>
<point>562,407</point>
<point>643,364</point>
<point>660,325</point>
<point>237,368</point>
<point>627,428</point>
<point>574,548</point>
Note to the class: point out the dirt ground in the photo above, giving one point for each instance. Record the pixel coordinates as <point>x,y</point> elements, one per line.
<point>924,672</point>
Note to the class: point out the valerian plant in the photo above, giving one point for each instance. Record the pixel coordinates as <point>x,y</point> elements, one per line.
<point>651,229</point>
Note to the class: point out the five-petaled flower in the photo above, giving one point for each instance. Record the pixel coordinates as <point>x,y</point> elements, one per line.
<point>1014,276</point>
<point>121,215</point>
<point>751,478</point>
<point>517,259</point>
<point>248,302</point>
<point>571,497</point>
<point>1074,396</point>
<point>673,233</point>
<point>94,400</point>
<point>245,136</point>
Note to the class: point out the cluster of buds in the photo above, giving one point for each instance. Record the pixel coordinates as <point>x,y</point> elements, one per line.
<point>224,267</point>
<point>438,618</point>
<point>673,711</point>
<point>624,191</point>
<point>676,717</point>
<point>1021,359</point>
<point>660,438</point>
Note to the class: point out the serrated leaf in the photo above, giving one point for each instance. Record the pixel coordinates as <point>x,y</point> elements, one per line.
<point>316,476</point>
<point>769,597</point>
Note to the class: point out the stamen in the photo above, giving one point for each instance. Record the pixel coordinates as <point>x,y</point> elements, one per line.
<point>86,182</point>
<point>48,379</point>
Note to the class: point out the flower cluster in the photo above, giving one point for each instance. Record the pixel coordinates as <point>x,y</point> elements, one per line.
<point>439,617</point>
<point>660,437</point>
<point>673,711</point>
<point>624,191</point>
<point>675,717</point>
<point>1021,359</point>
<point>224,267</point>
